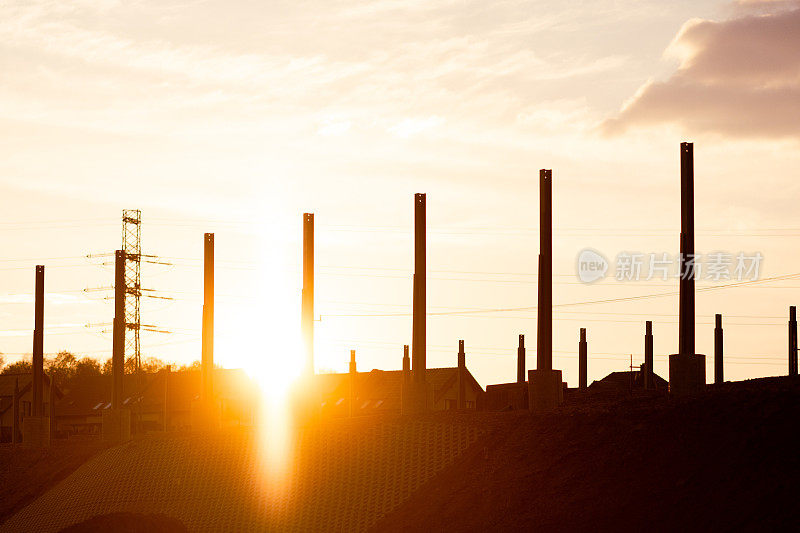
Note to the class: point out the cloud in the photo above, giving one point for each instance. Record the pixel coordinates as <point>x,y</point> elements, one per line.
<point>738,78</point>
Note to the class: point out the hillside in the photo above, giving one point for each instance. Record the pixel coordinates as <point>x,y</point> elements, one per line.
<point>27,473</point>
<point>727,460</point>
<point>344,476</point>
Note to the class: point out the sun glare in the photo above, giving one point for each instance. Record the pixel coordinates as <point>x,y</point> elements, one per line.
<point>274,359</point>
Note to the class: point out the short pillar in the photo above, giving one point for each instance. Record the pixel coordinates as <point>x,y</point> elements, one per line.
<point>687,373</point>
<point>582,360</point>
<point>167,372</point>
<point>462,363</point>
<point>406,406</point>
<point>352,376</point>
<point>15,414</point>
<point>545,389</point>
<point>521,360</point>
<point>116,427</point>
<point>649,382</point>
<point>718,369</point>
<point>792,341</point>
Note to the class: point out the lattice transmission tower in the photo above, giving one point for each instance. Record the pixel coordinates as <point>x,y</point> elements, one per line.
<point>132,244</point>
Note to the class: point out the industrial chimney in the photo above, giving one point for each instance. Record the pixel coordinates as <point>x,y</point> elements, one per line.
<point>307,312</point>
<point>462,371</point>
<point>687,369</point>
<point>418,353</point>
<point>207,356</point>
<point>545,388</point>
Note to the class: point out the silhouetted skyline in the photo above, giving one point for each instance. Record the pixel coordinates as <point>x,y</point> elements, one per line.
<point>233,120</point>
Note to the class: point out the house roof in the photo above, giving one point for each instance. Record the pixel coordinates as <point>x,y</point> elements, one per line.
<point>147,392</point>
<point>7,383</point>
<point>381,390</point>
<point>622,380</point>
<point>24,378</point>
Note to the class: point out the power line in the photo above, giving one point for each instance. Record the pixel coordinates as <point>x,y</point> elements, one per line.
<point>588,302</point>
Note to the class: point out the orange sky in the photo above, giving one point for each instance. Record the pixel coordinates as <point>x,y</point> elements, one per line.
<point>237,117</point>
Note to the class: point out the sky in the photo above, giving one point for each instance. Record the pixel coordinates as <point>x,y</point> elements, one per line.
<point>236,117</point>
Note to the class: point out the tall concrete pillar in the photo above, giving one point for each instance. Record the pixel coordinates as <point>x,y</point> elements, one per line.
<point>686,333</point>
<point>544,338</point>
<point>792,341</point>
<point>118,339</point>
<point>545,388</point>
<point>583,356</point>
<point>207,358</point>
<point>36,428</point>
<point>37,409</point>
<point>521,360</point>
<point>204,411</point>
<point>462,366</point>
<point>116,422</point>
<point>687,370</point>
<point>649,382</point>
<point>307,311</point>
<point>718,365</point>
<point>418,346</point>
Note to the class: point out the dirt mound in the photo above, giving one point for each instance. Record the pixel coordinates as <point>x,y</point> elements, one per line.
<point>726,460</point>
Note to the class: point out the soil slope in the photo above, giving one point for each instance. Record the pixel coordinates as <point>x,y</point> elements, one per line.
<point>27,473</point>
<point>726,460</point>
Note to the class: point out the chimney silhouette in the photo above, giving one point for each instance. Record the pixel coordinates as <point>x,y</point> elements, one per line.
<point>687,369</point>
<point>544,338</point>
<point>545,387</point>
<point>686,344</point>
<point>118,339</point>
<point>419,304</point>
<point>207,359</point>
<point>352,381</point>
<point>462,365</point>
<point>718,365</point>
<point>521,360</point>
<point>38,345</point>
<point>792,340</point>
<point>649,382</point>
<point>406,386</point>
<point>307,320</point>
<point>582,360</point>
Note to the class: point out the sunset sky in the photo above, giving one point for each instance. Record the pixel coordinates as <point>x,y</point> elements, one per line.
<point>235,117</point>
